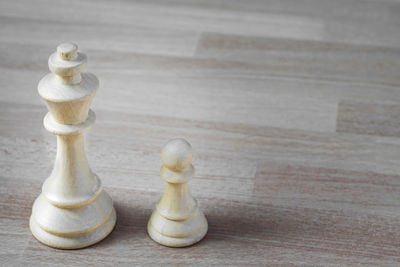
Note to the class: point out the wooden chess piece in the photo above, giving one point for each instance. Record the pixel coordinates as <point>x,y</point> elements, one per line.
<point>177,220</point>
<point>73,210</point>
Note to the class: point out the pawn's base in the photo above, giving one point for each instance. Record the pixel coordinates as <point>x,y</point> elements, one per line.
<point>73,242</point>
<point>175,233</point>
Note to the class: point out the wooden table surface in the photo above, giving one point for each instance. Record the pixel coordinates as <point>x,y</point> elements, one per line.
<point>292,108</point>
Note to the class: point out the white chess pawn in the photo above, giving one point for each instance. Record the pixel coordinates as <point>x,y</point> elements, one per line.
<point>177,220</point>
<point>73,210</point>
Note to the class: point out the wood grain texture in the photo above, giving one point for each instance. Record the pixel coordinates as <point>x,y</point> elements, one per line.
<point>291,108</point>
<point>369,118</point>
<point>72,211</point>
<point>177,220</point>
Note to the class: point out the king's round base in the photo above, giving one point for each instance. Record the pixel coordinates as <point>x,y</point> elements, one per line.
<point>72,228</point>
<point>177,233</point>
<point>72,242</point>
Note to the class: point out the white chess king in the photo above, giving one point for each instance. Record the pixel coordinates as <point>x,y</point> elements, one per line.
<point>177,220</point>
<point>73,210</point>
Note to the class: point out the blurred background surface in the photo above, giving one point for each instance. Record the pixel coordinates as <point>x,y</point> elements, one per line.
<point>292,108</point>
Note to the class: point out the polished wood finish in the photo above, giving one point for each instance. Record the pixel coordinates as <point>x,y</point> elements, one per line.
<point>72,211</point>
<point>177,220</point>
<point>291,108</point>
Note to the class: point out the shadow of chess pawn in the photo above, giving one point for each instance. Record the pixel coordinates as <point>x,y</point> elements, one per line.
<point>177,220</point>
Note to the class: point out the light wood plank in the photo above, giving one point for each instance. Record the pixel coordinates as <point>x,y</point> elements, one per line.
<point>290,106</point>
<point>369,118</point>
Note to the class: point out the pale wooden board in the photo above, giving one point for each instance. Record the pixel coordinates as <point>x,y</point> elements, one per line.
<point>369,118</point>
<point>291,108</point>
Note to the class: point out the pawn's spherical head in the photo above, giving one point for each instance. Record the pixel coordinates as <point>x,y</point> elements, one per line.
<point>67,51</point>
<point>177,154</point>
